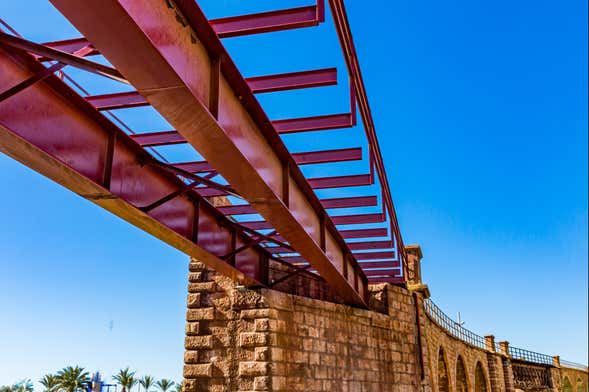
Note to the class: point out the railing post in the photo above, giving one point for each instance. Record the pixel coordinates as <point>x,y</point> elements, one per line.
<point>556,361</point>
<point>504,348</point>
<point>490,343</point>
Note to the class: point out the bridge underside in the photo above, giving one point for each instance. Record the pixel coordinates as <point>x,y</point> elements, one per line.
<point>168,56</point>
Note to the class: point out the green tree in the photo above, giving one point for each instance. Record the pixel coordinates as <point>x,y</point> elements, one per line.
<point>72,379</point>
<point>164,384</point>
<point>21,386</point>
<point>146,382</point>
<point>126,379</point>
<point>179,387</point>
<point>50,382</point>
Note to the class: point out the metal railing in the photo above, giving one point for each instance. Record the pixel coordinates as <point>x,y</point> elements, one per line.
<point>530,356</point>
<point>451,326</point>
<point>458,331</point>
<point>574,365</point>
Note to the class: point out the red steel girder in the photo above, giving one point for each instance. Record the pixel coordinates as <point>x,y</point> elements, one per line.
<point>51,129</point>
<point>293,80</point>
<point>375,255</point>
<point>62,57</point>
<point>234,26</point>
<point>344,32</point>
<point>370,245</point>
<point>265,22</point>
<point>344,202</point>
<point>301,158</point>
<point>337,220</point>
<point>357,233</point>
<point>318,123</point>
<point>377,265</point>
<point>381,272</point>
<point>341,181</point>
<point>258,84</point>
<point>316,183</point>
<point>210,104</point>
<point>364,233</point>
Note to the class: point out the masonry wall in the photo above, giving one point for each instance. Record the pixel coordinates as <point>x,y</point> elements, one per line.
<point>440,342</point>
<point>241,340</point>
<point>264,340</point>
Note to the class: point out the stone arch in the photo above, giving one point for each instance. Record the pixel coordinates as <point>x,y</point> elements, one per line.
<point>443,374</point>
<point>461,375</point>
<point>581,386</point>
<point>480,380</point>
<point>566,385</point>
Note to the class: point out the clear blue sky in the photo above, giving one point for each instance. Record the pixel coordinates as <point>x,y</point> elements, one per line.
<point>481,111</point>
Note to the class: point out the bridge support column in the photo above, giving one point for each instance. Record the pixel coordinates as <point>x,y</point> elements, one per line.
<point>239,339</point>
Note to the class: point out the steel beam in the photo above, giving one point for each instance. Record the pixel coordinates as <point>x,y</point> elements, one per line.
<point>266,22</point>
<point>344,33</point>
<point>337,220</point>
<point>172,64</point>
<point>110,102</point>
<point>364,233</point>
<point>62,57</point>
<point>54,131</point>
<point>293,80</point>
<point>301,158</point>
<point>341,181</point>
<point>344,202</point>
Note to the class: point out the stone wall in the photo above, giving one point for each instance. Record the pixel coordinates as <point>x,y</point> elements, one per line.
<point>445,348</point>
<point>265,340</point>
<point>240,340</point>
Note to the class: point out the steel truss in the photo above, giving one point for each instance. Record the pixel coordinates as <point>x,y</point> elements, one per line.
<point>179,67</point>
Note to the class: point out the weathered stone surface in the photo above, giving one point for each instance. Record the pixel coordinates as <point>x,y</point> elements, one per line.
<point>240,340</point>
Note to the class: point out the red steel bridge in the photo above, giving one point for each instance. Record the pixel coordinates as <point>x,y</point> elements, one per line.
<point>169,56</point>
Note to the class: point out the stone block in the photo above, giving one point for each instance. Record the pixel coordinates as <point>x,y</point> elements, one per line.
<point>192,328</point>
<point>198,370</point>
<point>202,287</point>
<point>253,339</point>
<point>249,369</point>
<point>200,314</point>
<point>262,354</point>
<point>262,383</point>
<point>193,300</point>
<point>198,342</point>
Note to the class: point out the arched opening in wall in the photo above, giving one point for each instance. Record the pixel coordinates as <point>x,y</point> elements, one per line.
<point>581,386</point>
<point>566,385</point>
<point>480,381</point>
<point>443,382</point>
<point>461,379</point>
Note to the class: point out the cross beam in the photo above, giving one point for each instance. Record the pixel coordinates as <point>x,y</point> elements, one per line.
<point>179,65</point>
<point>51,129</point>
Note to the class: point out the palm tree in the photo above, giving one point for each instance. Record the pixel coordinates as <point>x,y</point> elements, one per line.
<point>126,378</point>
<point>146,382</point>
<point>179,387</point>
<point>21,386</point>
<point>72,378</point>
<point>50,382</point>
<point>164,384</point>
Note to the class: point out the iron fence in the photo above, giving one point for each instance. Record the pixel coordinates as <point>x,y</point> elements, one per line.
<point>530,356</point>
<point>451,326</point>
<point>573,365</point>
